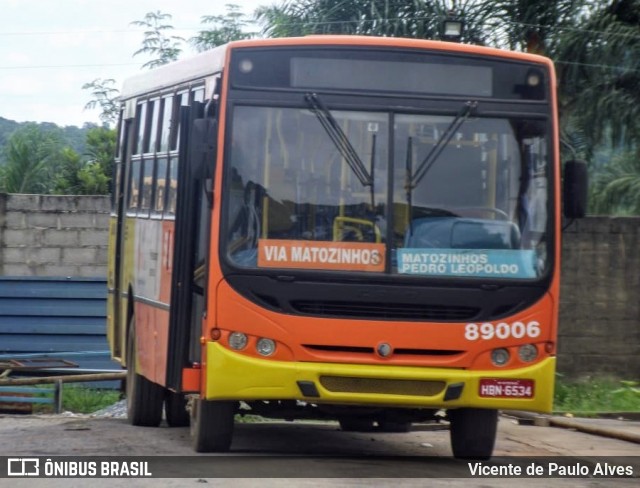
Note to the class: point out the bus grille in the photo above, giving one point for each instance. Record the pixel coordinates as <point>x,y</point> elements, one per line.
<point>395,311</point>
<point>345,384</point>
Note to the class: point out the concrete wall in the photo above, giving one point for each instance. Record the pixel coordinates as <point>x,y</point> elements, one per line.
<point>600,296</point>
<point>43,235</point>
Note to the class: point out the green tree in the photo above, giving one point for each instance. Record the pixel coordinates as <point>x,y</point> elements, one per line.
<point>599,72</point>
<point>524,25</point>
<point>66,180</point>
<point>418,19</point>
<point>222,29</point>
<point>101,150</point>
<point>165,48</point>
<point>90,175</point>
<point>30,156</point>
<point>105,97</point>
<point>615,188</point>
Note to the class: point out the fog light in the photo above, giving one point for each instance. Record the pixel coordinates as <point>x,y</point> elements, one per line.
<point>499,357</point>
<point>265,347</point>
<point>237,341</point>
<point>528,352</point>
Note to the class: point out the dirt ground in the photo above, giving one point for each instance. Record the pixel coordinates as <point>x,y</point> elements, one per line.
<point>311,454</point>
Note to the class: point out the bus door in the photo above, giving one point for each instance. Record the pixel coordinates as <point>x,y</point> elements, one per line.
<point>198,132</point>
<point>119,209</point>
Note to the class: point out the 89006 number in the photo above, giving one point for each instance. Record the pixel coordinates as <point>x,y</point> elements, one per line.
<point>516,330</point>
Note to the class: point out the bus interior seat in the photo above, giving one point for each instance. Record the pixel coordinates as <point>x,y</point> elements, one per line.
<point>462,233</point>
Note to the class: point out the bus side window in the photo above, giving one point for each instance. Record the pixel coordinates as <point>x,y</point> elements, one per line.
<point>153,113</point>
<point>182,100</point>
<point>165,126</point>
<point>134,185</point>
<point>161,185</point>
<point>198,94</point>
<point>172,185</point>
<point>141,122</point>
<point>147,185</point>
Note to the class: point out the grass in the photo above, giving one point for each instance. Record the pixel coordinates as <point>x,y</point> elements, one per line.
<point>80,399</point>
<point>591,396</point>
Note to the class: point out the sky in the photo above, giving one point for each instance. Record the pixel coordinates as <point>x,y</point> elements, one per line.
<point>50,48</point>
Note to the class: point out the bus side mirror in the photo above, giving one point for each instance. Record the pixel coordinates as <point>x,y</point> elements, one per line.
<point>575,189</point>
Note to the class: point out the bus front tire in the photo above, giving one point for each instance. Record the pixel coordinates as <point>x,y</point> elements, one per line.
<point>212,425</point>
<point>473,432</point>
<point>144,398</point>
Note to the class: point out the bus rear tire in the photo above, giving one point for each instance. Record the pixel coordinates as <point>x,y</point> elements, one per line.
<point>212,425</point>
<point>144,397</point>
<point>175,409</point>
<point>473,432</point>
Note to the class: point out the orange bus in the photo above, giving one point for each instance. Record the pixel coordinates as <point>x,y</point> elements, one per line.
<point>345,228</point>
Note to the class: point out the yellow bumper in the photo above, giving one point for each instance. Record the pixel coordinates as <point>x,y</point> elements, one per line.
<point>233,376</point>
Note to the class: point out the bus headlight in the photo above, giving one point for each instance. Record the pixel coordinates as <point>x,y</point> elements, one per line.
<point>499,357</point>
<point>528,353</point>
<point>265,347</point>
<point>237,341</point>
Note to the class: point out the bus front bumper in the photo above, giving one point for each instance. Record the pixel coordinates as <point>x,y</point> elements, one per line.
<point>234,376</point>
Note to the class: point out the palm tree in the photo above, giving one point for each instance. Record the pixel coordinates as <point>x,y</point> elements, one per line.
<point>396,18</point>
<point>30,157</point>
<point>599,72</point>
<point>616,187</point>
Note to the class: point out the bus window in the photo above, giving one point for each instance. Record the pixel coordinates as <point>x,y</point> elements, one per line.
<point>181,101</point>
<point>172,186</point>
<point>147,185</point>
<point>282,189</point>
<point>154,116</point>
<point>161,185</point>
<point>165,129</point>
<point>496,213</point>
<point>134,185</point>
<point>141,121</point>
<point>198,95</point>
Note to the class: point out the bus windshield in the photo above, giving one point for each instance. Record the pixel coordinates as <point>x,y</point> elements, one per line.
<point>395,193</point>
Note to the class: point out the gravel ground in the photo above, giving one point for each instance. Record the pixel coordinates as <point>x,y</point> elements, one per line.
<point>116,411</point>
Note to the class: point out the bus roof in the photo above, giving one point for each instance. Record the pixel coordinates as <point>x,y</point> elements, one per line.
<point>212,61</point>
<point>178,73</point>
<point>398,42</point>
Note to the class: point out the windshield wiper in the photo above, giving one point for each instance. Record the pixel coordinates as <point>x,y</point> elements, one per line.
<point>432,157</point>
<point>339,139</point>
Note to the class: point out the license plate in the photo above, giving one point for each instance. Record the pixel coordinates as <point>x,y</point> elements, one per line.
<point>501,388</point>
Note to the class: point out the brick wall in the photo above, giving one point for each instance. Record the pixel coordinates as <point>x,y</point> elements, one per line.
<point>43,235</point>
<point>600,294</point>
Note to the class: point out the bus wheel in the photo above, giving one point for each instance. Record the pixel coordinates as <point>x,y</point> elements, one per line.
<point>473,432</point>
<point>212,425</point>
<point>175,409</point>
<point>144,398</point>
<point>353,424</point>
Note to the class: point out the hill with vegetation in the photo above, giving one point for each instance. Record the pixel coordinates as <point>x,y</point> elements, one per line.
<point>48,159</point>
